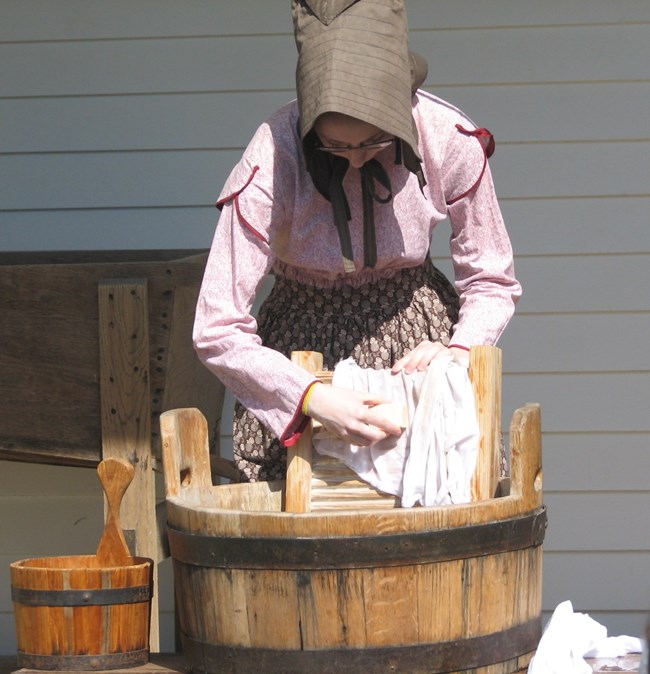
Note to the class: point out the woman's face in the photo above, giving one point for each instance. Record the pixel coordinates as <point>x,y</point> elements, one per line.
<point>351,138</point>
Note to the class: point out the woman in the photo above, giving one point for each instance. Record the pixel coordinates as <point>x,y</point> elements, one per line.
<point>338,195</point>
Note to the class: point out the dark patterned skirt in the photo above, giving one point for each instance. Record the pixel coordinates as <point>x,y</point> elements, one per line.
<point>375,324</point>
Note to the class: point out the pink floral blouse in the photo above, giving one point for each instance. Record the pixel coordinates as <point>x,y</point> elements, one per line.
<point>273,220</point>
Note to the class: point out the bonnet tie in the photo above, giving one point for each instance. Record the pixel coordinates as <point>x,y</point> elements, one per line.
<point>370,172</point>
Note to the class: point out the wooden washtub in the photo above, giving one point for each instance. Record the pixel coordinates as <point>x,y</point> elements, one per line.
<point>445,589</point>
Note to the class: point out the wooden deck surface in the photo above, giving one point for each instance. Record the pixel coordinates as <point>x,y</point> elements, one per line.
<point>169,663</point>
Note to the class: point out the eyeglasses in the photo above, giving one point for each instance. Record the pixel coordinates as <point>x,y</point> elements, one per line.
<point>351,148</point>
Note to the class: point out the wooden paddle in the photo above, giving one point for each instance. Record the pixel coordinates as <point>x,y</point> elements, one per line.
<point>115,476</point>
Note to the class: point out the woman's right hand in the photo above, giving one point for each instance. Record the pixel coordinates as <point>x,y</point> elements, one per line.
<point>349,414</point>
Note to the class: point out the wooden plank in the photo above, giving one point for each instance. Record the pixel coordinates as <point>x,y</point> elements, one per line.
<point>485,373</point>
<point>188,382</point>
<point>299,456</point>
<point>126,412</point>
<point>50,359</point>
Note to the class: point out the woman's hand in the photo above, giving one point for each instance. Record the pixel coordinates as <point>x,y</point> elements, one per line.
<point>424,353</point>
<point>350,415</point>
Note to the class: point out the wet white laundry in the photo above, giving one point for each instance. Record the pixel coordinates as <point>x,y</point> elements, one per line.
<point>571,637</point>
<point>433,461</point>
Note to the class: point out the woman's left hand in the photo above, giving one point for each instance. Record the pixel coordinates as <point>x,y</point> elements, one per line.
<point>424,353</point>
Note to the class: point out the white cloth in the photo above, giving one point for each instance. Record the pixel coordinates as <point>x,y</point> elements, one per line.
<point>433,461</point>
<point>571,637</point>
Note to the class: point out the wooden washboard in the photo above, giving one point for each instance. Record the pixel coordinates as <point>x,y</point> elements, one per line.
<point>316,482</point>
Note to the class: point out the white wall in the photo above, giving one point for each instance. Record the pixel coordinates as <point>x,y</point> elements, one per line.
<point>119,122</point>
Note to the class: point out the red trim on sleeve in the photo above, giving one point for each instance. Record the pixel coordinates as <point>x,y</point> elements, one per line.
<point>235,196</point>
<point>298,423</point>
<point>486,139</point>
<point>458,346</point>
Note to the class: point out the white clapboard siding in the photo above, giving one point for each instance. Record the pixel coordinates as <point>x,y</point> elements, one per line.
<point>84,180</point>
<point>30,20</point>
<point>587,112</point>
<point>597,461</point>
<point>207,63</point>
<point>119,122</point>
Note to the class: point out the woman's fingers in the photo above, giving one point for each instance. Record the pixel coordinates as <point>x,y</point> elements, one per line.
<point>420,357</point>
<point>350,415</point>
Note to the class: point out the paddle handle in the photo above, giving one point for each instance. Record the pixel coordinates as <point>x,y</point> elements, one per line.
<point>115,475</point>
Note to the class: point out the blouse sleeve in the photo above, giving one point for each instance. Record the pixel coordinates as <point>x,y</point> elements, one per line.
<point>480,246</point>
<point>225,331</point>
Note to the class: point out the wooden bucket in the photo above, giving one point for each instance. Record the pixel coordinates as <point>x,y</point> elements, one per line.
<point>445,589</point>
<point>73,614</point>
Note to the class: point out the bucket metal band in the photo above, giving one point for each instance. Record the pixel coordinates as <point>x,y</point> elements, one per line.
<point>441,657</point>
<point>80,663</point>
<point>400,549</point>
<point>100,597</point>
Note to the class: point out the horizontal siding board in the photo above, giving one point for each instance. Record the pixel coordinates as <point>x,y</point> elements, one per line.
<point>114,180</point>
<point>193,227</point>
<point>582,462</point>
<point>621,622</point>
<point>7,633</point>
<point>172,65</point>
<point>578,284</point>
<point>25,480</point>
<point>596,521</point>
<point>569,226</point>
<point>556,54</point>
<point>576,111</point>
<point>543,227</point>
<point>549,54</point>
<point>599,283</point>
<point>583,402</point>
<point>66,525</point>
<point>612,581</point>
<point>27,20</point>
<point>108,229</point>
<point>114,123</point>
<point>553,343</point>
<point>185,178</point>
<point>573,169</point>
<point>545,113</point>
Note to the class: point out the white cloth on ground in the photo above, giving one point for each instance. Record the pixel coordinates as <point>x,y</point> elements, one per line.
<point>571,637</point>
<point>433,461</point>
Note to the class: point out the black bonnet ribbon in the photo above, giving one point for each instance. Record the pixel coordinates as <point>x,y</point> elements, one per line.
<point>327,172</point>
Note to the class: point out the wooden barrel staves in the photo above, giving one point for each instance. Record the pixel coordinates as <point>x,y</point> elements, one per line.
<point>72,614</point>
<point>445,589</point>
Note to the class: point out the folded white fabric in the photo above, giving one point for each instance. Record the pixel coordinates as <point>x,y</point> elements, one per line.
<point>571,637</point>
<point>433,461</point>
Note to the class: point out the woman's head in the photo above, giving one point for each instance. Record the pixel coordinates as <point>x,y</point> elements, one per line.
<point>344,136</point>
<point>353,58</point>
